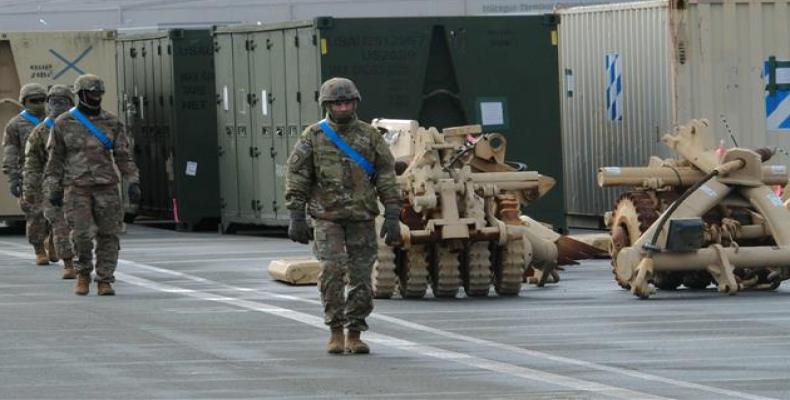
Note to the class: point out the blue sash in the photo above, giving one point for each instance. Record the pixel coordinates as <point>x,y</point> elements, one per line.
<point>94,130</point>
<point>30,117</point>
<point>49,122</point>
<point>345,148</point>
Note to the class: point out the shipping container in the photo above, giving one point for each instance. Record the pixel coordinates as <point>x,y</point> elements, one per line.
<point>166,89</point>
<point>49,58</point>
<point>445,71</point>
<point>630,72</point>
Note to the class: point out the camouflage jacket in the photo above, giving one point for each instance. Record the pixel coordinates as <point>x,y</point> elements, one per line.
<point>35,160</point>
<point>333,186</point>
<point>77,158</point>
<point>16,132</point>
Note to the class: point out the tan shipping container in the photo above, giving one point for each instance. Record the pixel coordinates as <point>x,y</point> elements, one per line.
<point>49,58</point>
<point>663,63</point>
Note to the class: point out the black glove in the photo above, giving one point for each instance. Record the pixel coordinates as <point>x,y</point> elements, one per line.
<point>56,199</point>
<point>298,229</point>
<point>134,193</point>
<point>15,187</point>
<point>390,230</point>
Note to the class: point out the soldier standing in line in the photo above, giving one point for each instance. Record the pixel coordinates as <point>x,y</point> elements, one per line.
<point>338,169</point>
<point>84,147</point>
<point>59,100</point>
<point>33,97</point>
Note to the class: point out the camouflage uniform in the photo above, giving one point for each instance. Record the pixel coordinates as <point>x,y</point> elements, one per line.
<point>35,159</point>
<point>79,163</point>
<point>16,133</point>
<point>342,200</point>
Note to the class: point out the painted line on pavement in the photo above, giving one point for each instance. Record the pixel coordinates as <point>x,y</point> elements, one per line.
<point>424,349</point>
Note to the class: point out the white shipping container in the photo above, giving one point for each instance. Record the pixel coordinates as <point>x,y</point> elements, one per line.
<point>632,71</point>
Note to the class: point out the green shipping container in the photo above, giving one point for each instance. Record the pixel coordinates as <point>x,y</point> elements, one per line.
<point>166,97</point>
<point>500,72</point>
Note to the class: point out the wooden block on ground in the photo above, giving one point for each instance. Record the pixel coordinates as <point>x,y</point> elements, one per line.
<point>296,271</point>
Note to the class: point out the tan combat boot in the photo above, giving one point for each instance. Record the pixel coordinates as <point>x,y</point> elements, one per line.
<point>83,285</point>
<point>105,289</point>
<point>69,272</point>
<point>336,343</point>
<point>41,255</point>
<point>50,245</point>
<point>354,344</point>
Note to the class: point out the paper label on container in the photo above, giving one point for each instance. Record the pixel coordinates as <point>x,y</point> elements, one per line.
<point>191,168</point>
<point>774,199</point>
<point>492,113</point>
<point>707,190</point>
<point>225,104</point>
<point>264,103</point>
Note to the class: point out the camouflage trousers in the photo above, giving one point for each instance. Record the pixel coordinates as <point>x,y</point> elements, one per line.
<point>36,226</point>
<point>94,212</point>
<point>60,231</point>
<point>347,251</point>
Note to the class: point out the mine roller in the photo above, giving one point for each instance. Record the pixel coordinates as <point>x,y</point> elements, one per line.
<point>707,217</point>
<point>461,222</point>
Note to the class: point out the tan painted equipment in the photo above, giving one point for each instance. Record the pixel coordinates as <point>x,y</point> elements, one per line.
<point>296,271</point>
<point>461,224</point>
<point>708,217</point>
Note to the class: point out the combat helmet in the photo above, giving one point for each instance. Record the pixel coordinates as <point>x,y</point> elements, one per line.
<point>338,89</point>
<point>88,82</point>
<point>61,91</point>
<point>31,89</point>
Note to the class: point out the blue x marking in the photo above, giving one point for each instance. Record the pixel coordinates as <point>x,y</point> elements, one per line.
<point>70,64</point>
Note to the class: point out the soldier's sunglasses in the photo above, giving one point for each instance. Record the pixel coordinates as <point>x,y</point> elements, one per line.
<point>341,102</point>
<point>36,100</point>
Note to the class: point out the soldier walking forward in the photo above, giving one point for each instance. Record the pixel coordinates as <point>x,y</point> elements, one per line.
<point>340,188</point>
<point>85,145</point>
<point>59,100</point>
<point>33,97</point>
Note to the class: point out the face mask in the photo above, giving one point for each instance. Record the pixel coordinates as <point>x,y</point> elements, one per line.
<point>90,100</point>
<point>340,114</point>
<point>57,106</point>
<point>36,105</point>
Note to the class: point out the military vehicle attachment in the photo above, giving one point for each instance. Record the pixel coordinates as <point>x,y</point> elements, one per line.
<point>461,222</point>
<point>708,217</point>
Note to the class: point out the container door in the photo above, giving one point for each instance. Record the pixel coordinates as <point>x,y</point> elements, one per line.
<point>229,185</point>
<point>279,120</point>
<point>309,79</point>
<point>264,131</point>
<point>292,100</point>
<point>245,140</point>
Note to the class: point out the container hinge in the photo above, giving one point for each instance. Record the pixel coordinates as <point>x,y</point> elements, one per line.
<point>133,52</point>
<point>296,41</point>
<point>269,44</point>
<point>274,205</point>
<point>219,98</point>
<point>217,47</point>
<point>315,96</point>
<point>258,206</point>
<point>169,49</point>
<point>252,99</point>
<point>144,52</point>
<point>272,152</point>
<point>315,40</point>
<point>298,97</point>
<point>159,49</point>
<point>220,151</point>
<point>252,204</point>
<point>222,203</point>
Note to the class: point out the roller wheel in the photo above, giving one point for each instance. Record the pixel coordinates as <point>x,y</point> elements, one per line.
<point>477,270</point>
<point>446,276</point>
<point>413,274</point>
